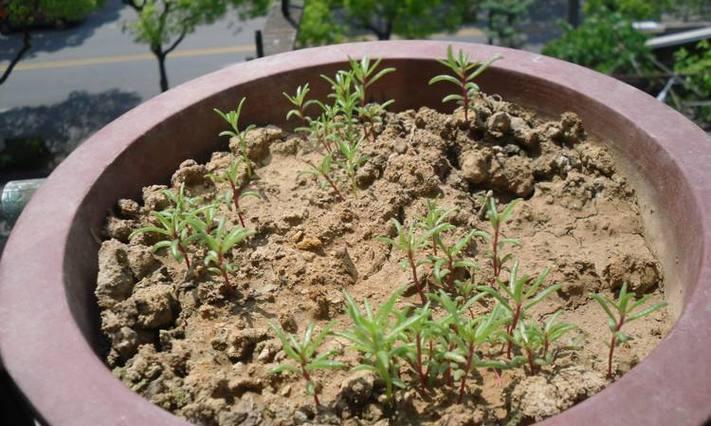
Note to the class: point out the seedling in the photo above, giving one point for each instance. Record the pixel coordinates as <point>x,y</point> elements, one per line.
<point>238,186</point>
<point>219,242</point>
<point>173,224</point>
<point>371,115</point>
<point>323,170</point>
<point>232,118</point>
<point>346,97</point>
<point>468,335</point>
<point>365,75</point>
<point>497,242</point>
<point>464,72</point>
<point>305,356</point>
<point>352,160</point>
<point>621,311</point>
<point>408,241</point>
<point>416,335</point>
<point>435,223</point>
<point>445,267</point>
<point>324,128</point>
<point>535,342</point>
<point>377,336</point>
<point>521,294</point>
<point>301,104</point>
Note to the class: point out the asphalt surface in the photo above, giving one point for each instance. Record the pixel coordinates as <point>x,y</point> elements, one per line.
<point>98,56</point>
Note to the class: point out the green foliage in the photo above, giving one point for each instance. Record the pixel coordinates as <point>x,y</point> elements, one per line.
<point>338,128</point>
<point>468,335</point>
<point>329,21</point>
<point>301,104</point>
<point>630,9</point>
<point>408,241</point>
<point>323,170</point>
<point>237,191</point>
<point>504,18</point>
<point>696,71</point>
<point>451,260</point>
<point>435,223</point>
<point>232,118</point>
<point>318,27</point>
<point>21,13</point>
<point>219,241</point>
<point>27,15</point>
<point>621,311</point>
<point>537,342</point>
<point>521,294</point>
<point>351,160</point>
<point>464,72</point>
<point>497,242</point>
<point>378,337</point>
<point>304,356</point>
<point>607,43</point>
<point>174,225</point>
<point>163,24</point>
<point>365,75</point>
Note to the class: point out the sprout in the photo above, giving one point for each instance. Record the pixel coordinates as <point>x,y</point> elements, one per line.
<point>621,311</point>
<point>464,73</point>
<point>305,356</point>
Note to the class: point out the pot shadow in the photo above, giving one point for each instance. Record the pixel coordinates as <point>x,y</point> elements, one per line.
<point>49,39</point>
<point>62,127</point>
<point>65,125</point>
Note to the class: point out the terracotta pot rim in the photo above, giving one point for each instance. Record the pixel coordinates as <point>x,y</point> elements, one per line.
<point>43,348</point>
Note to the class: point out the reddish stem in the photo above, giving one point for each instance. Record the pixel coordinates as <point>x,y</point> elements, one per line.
<point>185,254</point>
<point>181,248</point>
<point>307,377</point>
<point>512,327</point>
<point>235,200</point>
<point>333,185</point>
<point>411,259</point>
<point>468,366</point>
<point>434,245</point>
<point>450,277</point>
<point>613,343</point>
<point>531,364</point>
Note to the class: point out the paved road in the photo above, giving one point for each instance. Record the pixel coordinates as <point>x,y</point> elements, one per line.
<point>98,56</point>
<point>74,81</point>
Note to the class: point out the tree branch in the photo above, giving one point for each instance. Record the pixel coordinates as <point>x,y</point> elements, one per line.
<point>26,46</point>
<point>134,5</point>
<point>177,41</point>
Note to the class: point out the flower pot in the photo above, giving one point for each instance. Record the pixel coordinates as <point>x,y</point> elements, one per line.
<point>49,326</point>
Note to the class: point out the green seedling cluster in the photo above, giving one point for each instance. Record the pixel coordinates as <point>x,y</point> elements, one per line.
<point>463,73</point>
<point>468,319</point>
<point>173,225</point>
<point>620,312</point>
<point>219,241</point>
<point>518,296</point>
<point>304,356</point>
<point>459,327</point>
<point>539,344</point>
<point>343,124</point>
<point>184,225</point>
<point>191,223</point>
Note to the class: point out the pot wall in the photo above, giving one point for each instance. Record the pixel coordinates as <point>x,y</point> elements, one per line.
<point>49,338</point>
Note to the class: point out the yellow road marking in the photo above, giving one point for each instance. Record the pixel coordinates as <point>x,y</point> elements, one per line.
<point>100,60</point>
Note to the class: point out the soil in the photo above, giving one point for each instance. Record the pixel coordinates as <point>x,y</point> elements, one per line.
<point>175,338</point>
